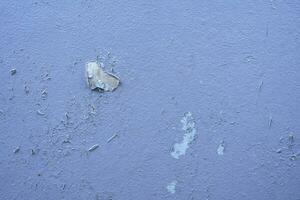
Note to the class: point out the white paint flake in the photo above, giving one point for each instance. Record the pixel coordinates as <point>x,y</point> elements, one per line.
<point>221,148</point>
<point>96,77</point>
<point>172,187</point>
<point>188,126</point>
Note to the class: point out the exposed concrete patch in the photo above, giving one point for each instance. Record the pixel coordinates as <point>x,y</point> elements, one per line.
<point>289,147</point>
<point>171,187</point>
<point>39,112</point>
<point>17,150</point>
<point>97,78</point>
<point>188,126</point>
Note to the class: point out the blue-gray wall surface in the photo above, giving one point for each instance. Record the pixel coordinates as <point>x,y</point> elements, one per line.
<point>231,67</point>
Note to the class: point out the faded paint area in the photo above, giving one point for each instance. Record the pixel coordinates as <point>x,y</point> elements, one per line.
<point>188,126</point>
<point>171,187</point>
<point>97,78</point>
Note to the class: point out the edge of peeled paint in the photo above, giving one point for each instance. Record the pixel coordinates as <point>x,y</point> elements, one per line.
<point>190,132</point>
<point>97,78</point>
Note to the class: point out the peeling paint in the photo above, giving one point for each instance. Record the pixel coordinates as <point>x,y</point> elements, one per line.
<point>221,148</point>
<point>13,71</point>
<point>214,59</point>
<point>188,126</point>
<point>270,121</point>
<point>26,88</point>
<point>44,94</point>
<point>112,137</point>
<point>97,78</point>
<point>171,187</point>
<point>94,147</point>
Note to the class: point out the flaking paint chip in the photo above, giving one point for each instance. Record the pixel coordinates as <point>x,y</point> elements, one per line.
<point>221,148</point>
<point>190,132</point>
<point>94,147</point>
<point>97,78</point>
<point>13,71</point>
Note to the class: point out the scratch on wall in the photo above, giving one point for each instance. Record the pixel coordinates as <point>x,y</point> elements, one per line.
<point>188,126</point>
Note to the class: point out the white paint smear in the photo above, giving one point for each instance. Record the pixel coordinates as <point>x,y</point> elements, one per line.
<point>188,126</point>
<point>172,187</point>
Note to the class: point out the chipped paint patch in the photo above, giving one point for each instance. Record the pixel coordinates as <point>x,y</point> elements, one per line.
<point>13,71</point>
<point>171,187</point>
<point>97,78</point>
<point>221,148</point>
<point>188,126</point>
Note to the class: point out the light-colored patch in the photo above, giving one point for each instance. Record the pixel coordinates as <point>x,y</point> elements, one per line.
<point>172,187</point>
<point>94,147</point>
<point>97,78</point>
<point>221,148</point>
<point>13,71</point>
<point>188,126</point>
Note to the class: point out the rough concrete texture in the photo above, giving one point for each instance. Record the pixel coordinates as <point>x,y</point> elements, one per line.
<point>233,64</point>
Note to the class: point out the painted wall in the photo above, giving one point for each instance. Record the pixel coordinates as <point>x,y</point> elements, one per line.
<point>234,65</point>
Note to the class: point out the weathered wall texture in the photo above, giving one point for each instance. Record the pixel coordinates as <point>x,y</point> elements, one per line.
<point>221,79</point>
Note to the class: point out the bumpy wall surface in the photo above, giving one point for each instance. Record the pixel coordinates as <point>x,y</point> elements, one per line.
<point>208,107</point>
